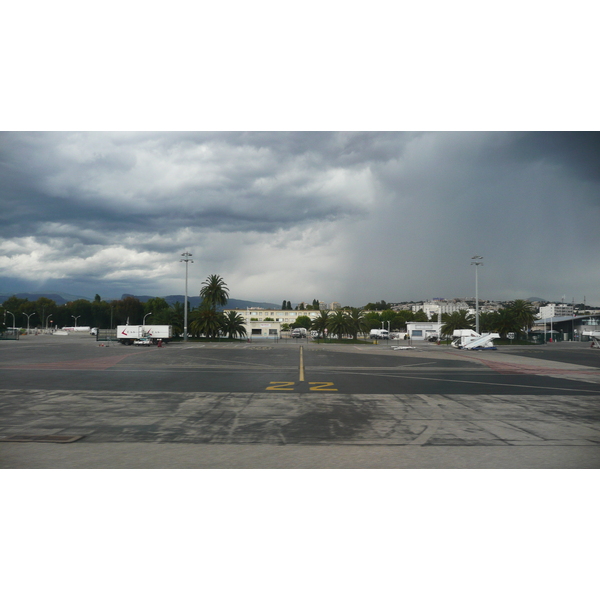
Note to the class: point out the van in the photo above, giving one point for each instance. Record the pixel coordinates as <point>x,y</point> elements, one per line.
<point>379,334</point>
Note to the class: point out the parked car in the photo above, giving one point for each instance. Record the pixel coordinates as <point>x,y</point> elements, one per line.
<point>143,342</point>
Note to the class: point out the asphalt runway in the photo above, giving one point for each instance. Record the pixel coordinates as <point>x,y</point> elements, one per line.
<point>296,405</point>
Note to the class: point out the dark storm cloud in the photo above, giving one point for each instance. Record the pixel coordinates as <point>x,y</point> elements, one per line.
<point>396,215</point>
<point>575,152</point>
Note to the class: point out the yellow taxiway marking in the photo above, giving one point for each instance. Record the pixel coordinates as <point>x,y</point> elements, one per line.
<point>301,364</point>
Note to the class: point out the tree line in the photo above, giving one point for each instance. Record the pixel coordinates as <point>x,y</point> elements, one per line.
<point>209,320</point>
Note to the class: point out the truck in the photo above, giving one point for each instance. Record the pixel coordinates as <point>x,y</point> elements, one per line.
<point>299,332</point>
<point>128,334</point>
<point>379,334</point>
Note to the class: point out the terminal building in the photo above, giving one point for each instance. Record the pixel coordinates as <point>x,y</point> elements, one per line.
<point>568,328</point>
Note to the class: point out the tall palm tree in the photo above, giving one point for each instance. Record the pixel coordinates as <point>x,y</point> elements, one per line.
<point>459,319</point>
<point>233,324</point>
<point>356,322</point>
<point>320,322</point>
<point>214,291</point>
<point>338,324</point>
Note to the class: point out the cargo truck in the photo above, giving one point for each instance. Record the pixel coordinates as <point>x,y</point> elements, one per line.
<point>128,334</point>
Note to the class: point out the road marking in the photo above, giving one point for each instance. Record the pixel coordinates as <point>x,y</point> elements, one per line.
<point>492,383</point>
<point>301,375</point>
<point>281,386</point>
<point>322,386</point>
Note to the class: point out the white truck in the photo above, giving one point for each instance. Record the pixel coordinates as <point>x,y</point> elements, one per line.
<point>299,332</point>
<point>379,334</point>
<point>128,334</point>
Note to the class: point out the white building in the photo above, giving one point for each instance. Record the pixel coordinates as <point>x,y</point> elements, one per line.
<point>433,308</point>
<point>255,315</point>
<point>556,310</point>
<point>421,331</point>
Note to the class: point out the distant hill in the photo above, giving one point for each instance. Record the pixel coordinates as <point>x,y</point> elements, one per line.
<point>194,301</point>
<point>534,299</point>
<point>58,298</point>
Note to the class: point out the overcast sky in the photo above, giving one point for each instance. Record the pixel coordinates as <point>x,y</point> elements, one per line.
<point>347,217</point>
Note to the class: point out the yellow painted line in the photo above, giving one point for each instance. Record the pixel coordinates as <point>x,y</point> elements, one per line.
<point>301,364</point>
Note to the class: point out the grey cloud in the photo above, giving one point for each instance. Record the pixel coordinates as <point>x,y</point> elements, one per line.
<point>363,215</point>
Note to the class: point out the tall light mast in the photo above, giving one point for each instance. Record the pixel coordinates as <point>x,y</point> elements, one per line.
<point>186,259</point>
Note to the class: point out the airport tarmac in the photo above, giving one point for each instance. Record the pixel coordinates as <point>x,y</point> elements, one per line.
<point>295,404</point>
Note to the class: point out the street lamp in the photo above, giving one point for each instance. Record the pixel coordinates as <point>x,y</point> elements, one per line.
<point>13,316</point>
<point>76,317</point>
<point>476,262</point>
<point>47,320</point>
<point>28,317</point>
<point>186,260</point>
<point>144,319</point>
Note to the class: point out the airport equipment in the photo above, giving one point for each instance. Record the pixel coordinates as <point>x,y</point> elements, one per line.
<point>595,335</point>
<point>467,339</point>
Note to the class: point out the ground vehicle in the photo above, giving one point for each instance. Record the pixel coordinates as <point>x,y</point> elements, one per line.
<point>128,334</point>
<point>595,335</point>
<point>299,332</point>
<point>143,342</point>
<point>379,334</point>
<point>467,339</point>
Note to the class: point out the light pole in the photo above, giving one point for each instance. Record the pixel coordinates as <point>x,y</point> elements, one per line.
<point>28,317</point>
<point>76,317</point>
<point>186,260</point>
<point>13,316</point>
<point>476,262</point>
<point>144,319</point>
<point>47,320</point>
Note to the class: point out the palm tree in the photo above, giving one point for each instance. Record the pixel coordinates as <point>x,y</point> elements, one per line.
<point>233,324</point>
<point>487,321</point>
<point>523,312</point>
<point>214,291</point>
<point>337,323</point>
<point>459,319</point>
<point>506,322</point>
<point>356,322</point>
<point>320,322</point>
<point>207,321</point>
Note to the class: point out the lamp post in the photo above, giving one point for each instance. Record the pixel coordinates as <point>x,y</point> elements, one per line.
<point>476,262</point>
<point>13,316</point>
<point>144,319</point>
<point>76,317</point>
<point>28,317</point>
<point>186,259</point>
<point>47,320</point>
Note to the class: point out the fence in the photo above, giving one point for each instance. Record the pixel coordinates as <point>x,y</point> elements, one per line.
<point>9,334</point>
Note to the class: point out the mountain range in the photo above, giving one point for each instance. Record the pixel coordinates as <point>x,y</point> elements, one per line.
<point>194,301</point>
<point>232,303</point>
